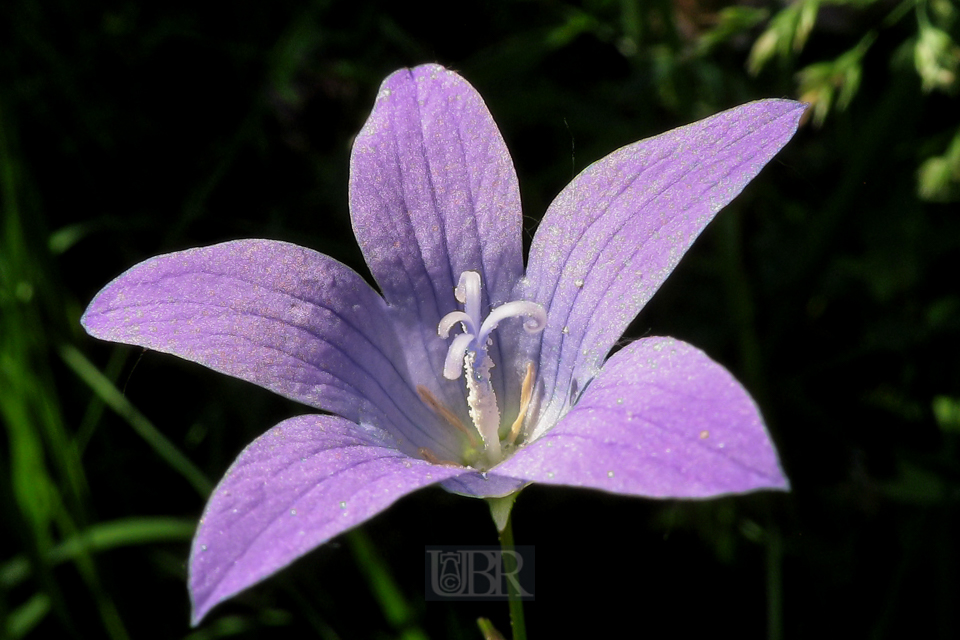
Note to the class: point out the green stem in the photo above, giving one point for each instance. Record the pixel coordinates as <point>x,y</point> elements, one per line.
<point>505,526</point>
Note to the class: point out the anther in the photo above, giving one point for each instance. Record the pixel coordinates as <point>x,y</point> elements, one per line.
<point>438,408</point>
<point>526,393</point>
<point>427,454</point>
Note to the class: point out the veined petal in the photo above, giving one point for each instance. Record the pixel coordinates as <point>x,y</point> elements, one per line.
<point>295,487</point>
<point>661,420</point>
<point>615,233</point>
<point>281,316</point>
<point>433,193</point>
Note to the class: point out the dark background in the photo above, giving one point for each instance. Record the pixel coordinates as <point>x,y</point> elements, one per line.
<point>129,129</point>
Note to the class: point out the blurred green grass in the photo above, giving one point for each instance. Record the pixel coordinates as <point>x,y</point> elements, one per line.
<point>129,129</point>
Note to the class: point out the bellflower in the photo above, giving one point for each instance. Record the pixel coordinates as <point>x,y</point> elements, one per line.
<point>465,369</point>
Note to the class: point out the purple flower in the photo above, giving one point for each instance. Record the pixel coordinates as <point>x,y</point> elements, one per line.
<point>466,369</point>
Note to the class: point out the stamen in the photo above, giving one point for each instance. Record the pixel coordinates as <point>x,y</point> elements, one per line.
<point>526,393</point>
<point>431,401</point>
<point>427,454</point>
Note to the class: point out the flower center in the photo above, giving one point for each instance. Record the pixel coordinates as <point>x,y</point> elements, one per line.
<point>468,353</point>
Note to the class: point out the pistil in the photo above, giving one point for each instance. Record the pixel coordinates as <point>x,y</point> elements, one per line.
<point>468,353</point>
<point>482,401</point>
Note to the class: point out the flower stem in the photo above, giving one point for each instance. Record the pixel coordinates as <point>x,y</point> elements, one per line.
<point>498,508</point>
<point>516,604</point>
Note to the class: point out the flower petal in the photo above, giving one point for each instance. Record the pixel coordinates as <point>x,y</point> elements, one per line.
<point>295,487</point>
<point>615,233</point>
<point>433,193</point>
<point>281,316</point>
<point>483,485</point>
<point>661,420</point>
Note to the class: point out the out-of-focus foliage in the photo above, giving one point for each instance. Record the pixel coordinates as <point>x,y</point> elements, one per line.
<point>132,128</point>
<point>931,47</point>
<point>785,35</point>
<point>939,176</point>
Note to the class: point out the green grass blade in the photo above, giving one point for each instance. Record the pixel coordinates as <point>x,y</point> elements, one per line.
<point>108,392</point>
<point>102,537</point>
<point>27,616</point>
<point>401,616</point>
